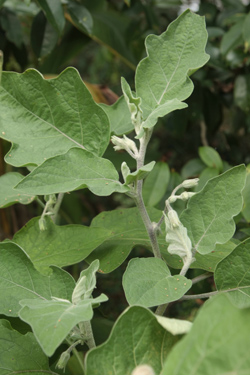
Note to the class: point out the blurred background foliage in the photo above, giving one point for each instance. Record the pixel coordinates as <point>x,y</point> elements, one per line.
<point>104,40</point>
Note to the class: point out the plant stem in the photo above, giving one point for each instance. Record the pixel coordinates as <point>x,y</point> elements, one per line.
<point>78,357</point>
<point>86,330</point>
<point>57,206</point>
<point>139,199</point>
<point>203,295</point>
<point>201,277</point>
<point>161,309</point>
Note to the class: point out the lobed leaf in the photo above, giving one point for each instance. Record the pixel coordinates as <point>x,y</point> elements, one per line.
<point>171,57</point>
<point>233,273</point>
<point>54,115</point>
<point>58,245</point>
<point>20,280</point>
<point>148,282</point>
<point>52,320</point>
<point>77,169</point>
<point>136,338</point>
<point>209,214</point>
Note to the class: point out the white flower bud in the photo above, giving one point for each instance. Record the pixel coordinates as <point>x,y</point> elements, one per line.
<point>125,170</point>
<point>173,219</point>
<point>173,198</point>
<point>125,143</point>
<point>187,184</point>
<point>186,195</point>
<point>63,360</point>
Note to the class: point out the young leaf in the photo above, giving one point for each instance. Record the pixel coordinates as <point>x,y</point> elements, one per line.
<point>209,214</point>
<point>19,280</point>
<point>128,231</point>
<point>174,326</point>
<point>52,320</point>
<point>21,353</point>
<point>164,74</point>
<point>148,282</point>
<point>140,173</point>
<point>137,338</point>
<point>155,184</point>
<point>86,283</point>
<point>9,195</point>
<point>233,273</point>
<point>77,169</point>
<point>119,117</point>
<point>58,245</point>
<point>54,115</point>
<point>218,342</point>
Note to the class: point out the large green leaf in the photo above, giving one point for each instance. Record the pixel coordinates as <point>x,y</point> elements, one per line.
<point>53,115</point>
<point>164,74</point>
<point>19,280</point>
<point>209,214</point>
<point>77,169</point>
<point>9,195</point>
<point>217,344</point>
<point>246,196</point>
<point>20,354</point>
<point>54,13</point>
<point>137,338</point>
<point>52,320</point>
<point>128,231</point>
<point>80,16</point>
<point>58,245</point>
<point>148,282</point>
<point>233,273</point>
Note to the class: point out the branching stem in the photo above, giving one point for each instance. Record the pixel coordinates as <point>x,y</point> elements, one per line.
<point>86,331</point>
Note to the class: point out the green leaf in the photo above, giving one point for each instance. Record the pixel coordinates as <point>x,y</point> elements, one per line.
<point>52,320</point>
<point>192,168</point>
<point>155,184</point>
<point>218,342</point>
<point>80,16</point>
<point>20,353</point>
<point>233,273</point>
<point>164,74</point>
<point>19,279</point>
<point>136,338</point>
<point>77,169</point>
<point>140,173</point>
<point>161,111</point>
<point>246,197</point>
<point>148,282</point>
<point>210,157</point>
<point>232,38</point>
<point>54,13</point>
<point>86,283</point>
<point>242,92</point>
<point>53,115</point>
<point>209,214</point>
<point>12,26</point>
<point>58,245</point>
<point>43,36</point>
<point>9,195</point>
<point>246,29</point>
<point>128,231</point>
<point>119,117</point>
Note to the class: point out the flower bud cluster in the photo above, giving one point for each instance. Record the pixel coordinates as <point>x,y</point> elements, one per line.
<point>125,143</point>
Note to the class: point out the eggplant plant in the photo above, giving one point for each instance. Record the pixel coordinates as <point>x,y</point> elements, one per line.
<point>59,134</point>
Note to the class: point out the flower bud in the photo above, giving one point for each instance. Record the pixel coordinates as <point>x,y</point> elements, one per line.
<point>125,170</point>
<point>143,370</point>
<point>186,195</point>
<point>63,360</point>
<point>124,143</point>
<point>173,198</point>
<point>187,184</point>
<point>173,219</point>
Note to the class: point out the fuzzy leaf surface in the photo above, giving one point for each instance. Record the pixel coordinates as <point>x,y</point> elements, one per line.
<point>164,74</point>
<point>52,320</point>
<point>127,231</point>
<point>136,338</point>
<point>148,282</point>
<point>223,346</point>
<point>9,195</point>
<point>20,353</point>
<point>54,115</point>
<point>58,245</point>
<point>77,169</point>
<point>20,280</point>
<point>209,214</point>
<point>233,272</point>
